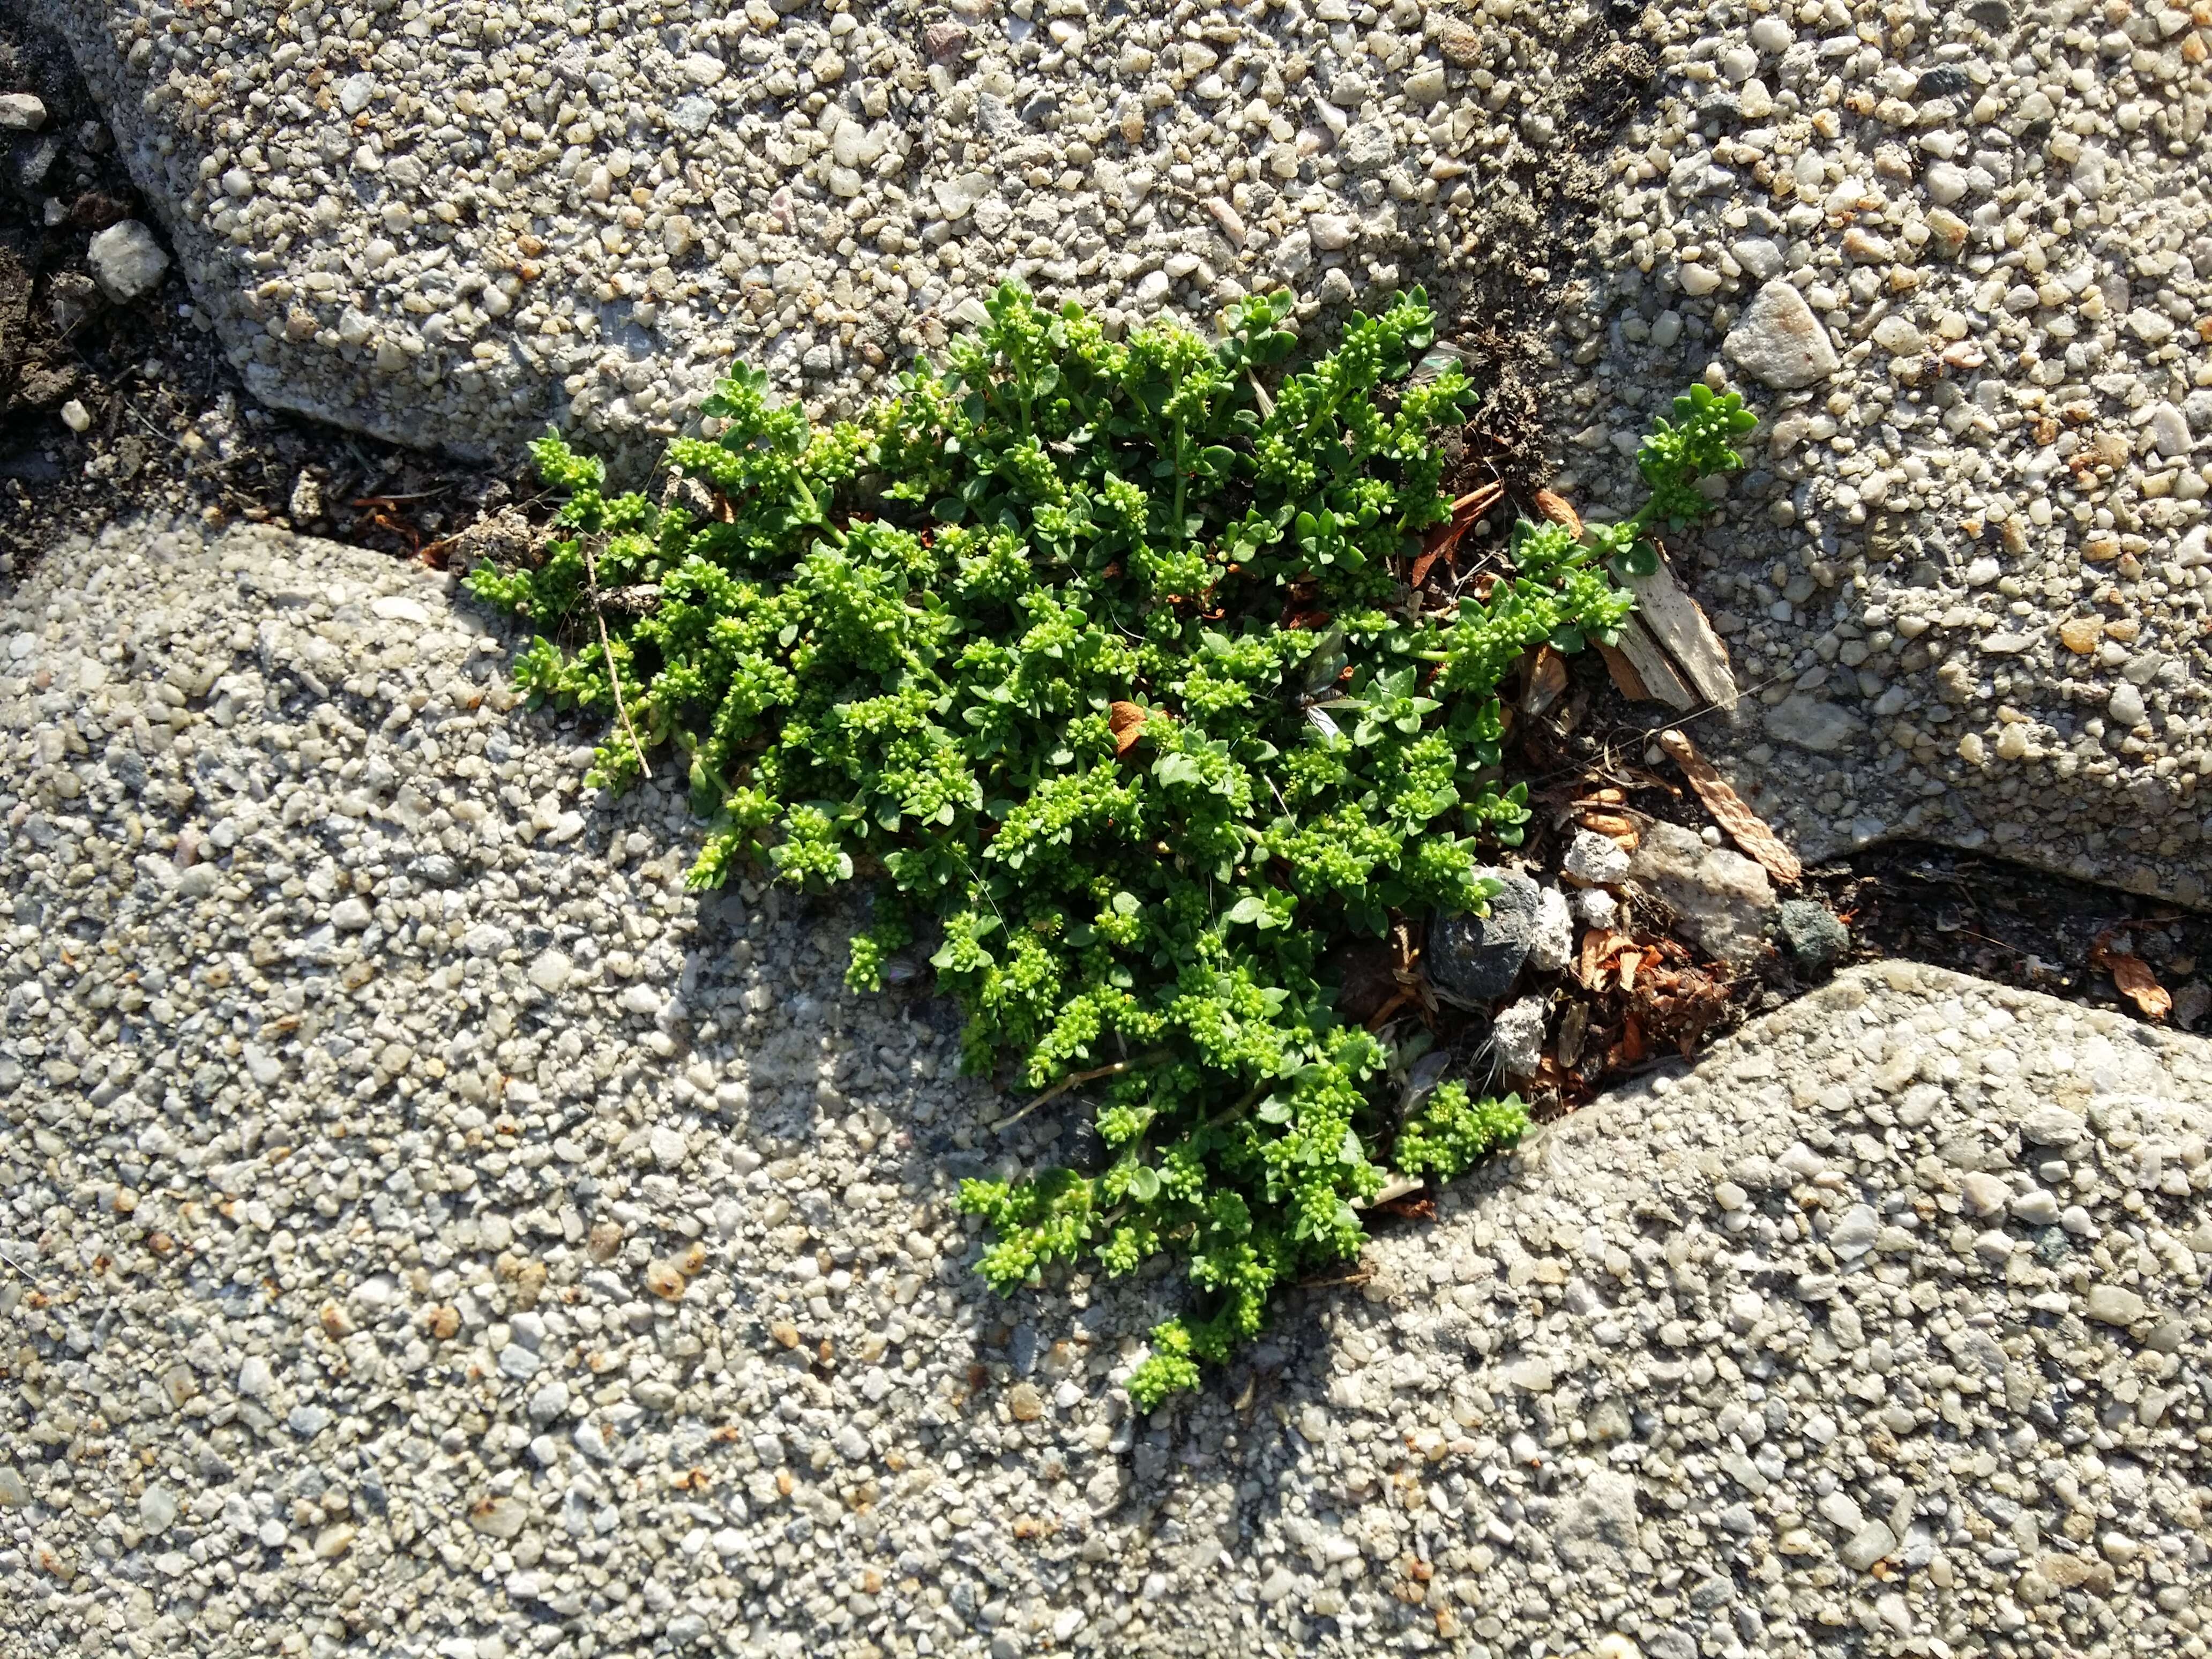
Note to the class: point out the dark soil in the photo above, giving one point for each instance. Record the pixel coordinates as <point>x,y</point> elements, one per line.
<point>1910,901</point>
<point>172,428</point>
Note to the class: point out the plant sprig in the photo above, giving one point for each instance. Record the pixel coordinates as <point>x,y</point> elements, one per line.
<point>1102,652</point>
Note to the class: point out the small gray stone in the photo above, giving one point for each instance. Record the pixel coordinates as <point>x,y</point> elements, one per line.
<point>1868,1544</point>
<point>550,970</point>
<point>1856,1231</point>
<point>1553,944</point>
<point>2052,1125</point>
<point>157,1508</point>
<point>1519,1034</point>
<point>1594,860</point>
<point>1474,960</point>
<point>1816,938</point>
<point>2036,1207</point>
<point>2169,431</point>
<point>126,261</point>
<point>1761,256</point>
<point>548,1403</point>
<point>1597,1526</point>
<point>668,1144</point>
<point>1779,341</point>
<point>1814,723</point>
<point>2113,1304</point>
<point>499,1517</point>
<point>1720,897</point>
<point>22,112</point>
<point>1983,1193</point>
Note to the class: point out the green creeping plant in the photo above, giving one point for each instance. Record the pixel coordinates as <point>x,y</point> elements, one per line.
<point>1014,639</point>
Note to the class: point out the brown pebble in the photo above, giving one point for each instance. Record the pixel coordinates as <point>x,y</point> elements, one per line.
<point>666,1280</point>
<point>529,1285</point>
<point>444,1322</point>
<point>605,1239</point>
<point>1025,1403</point>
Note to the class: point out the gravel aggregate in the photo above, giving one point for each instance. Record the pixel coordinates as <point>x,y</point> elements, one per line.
<point>1960,258</point>
<point>446,223</point>
<point>431,1230</point>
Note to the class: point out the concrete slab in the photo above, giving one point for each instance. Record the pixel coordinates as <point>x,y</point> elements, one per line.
<point>1959,258</point>
<point>448,224</point>
<point>429,1229</point>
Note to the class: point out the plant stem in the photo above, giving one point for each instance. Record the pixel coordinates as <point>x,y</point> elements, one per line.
<point>1074,1079</point>
<point>607,651</point>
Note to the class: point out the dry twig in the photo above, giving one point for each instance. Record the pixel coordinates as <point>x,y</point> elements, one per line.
<point>1076,1079</point>
<point>607,650</point>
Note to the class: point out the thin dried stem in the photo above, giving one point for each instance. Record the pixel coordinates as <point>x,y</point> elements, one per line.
<point>1076,1081</point>
<point>607,651</point>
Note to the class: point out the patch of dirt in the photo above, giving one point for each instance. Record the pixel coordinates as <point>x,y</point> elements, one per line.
<point>1907,900</point>
<point>2016,926</point>
<point>1495,309</point>
<point>168,426</point>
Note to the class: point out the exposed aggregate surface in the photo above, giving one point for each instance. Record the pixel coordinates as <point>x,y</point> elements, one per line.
<point>1958,257</point>
<point>432,1232</point>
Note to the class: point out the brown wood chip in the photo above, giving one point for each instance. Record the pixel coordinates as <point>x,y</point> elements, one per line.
<point>1642,673</point>
<point>1680,627</point>
<point>1747,827</point>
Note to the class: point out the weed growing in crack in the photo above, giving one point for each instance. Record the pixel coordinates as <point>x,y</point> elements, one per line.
<point>1101,659</point>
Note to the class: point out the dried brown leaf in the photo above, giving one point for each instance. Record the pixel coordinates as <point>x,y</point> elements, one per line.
<point>1547,680</point>
<point>1750,830</point>
<point>1555,509</point>
<point>2134,978</point>
<point>1127,722</point>
<point>1616,827</point>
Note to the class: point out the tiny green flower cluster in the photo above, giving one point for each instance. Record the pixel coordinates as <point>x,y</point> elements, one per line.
<point>1675,457</point>
<point>1101,653</point>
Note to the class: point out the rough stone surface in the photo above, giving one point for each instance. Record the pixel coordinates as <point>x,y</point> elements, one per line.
<point>1964,577</point>
<point>1779,342</point>
<point>126,261</point>
<point>1721,899</point>
<point>386,1295</point>
<point>451,225</point>
<point>1474,960</point>
<point>1813,934</point>
<point>1963,264</point>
